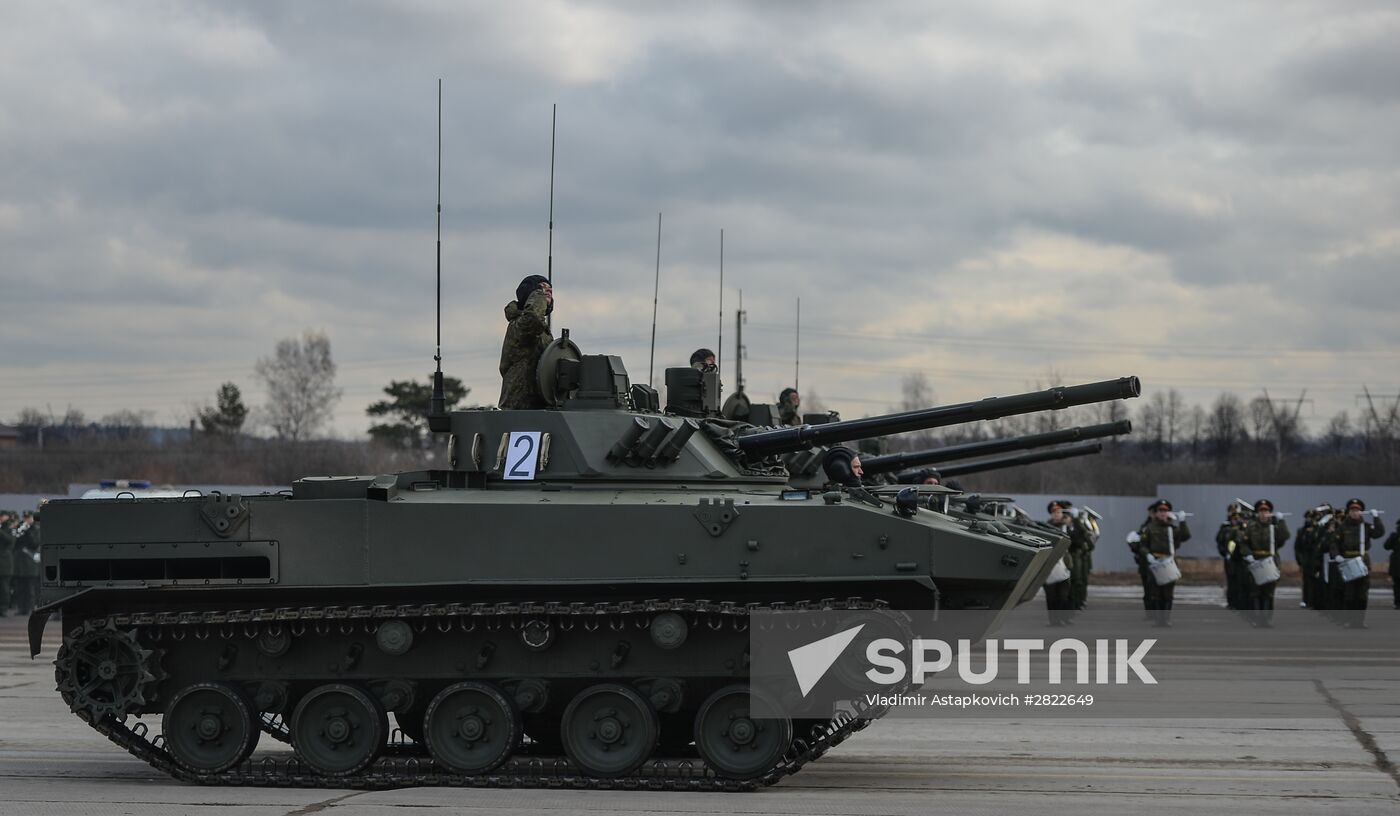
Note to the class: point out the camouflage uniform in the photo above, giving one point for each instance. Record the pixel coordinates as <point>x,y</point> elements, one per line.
<point>527,336</point>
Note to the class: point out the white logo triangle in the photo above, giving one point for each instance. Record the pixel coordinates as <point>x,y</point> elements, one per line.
<point>810,662</point>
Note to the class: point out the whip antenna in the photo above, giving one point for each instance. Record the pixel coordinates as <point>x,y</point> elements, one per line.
<point>656,290</point>
<point>437,404</point>
<point>549,269</point>
<point>797,349</point>
<point>719,345</point>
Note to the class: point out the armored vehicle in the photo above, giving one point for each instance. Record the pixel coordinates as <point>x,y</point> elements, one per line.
<point>564,604</point>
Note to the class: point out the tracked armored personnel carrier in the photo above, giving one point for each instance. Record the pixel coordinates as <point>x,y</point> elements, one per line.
<point>564,604</point>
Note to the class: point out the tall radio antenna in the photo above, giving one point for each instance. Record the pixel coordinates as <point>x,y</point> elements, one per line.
<point>437,404</point>
<point>549,268</point>
<point>797,349</point>
<point>719,344</point>
<point>651,367</point>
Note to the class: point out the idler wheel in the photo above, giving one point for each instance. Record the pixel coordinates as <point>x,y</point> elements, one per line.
<point>471,728</point>
<point>210,727</point>
<point>339,729</point>
<point>609,730</point>
<point>736,744</point>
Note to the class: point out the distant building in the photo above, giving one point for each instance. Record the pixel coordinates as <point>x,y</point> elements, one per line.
<point>9,437</point>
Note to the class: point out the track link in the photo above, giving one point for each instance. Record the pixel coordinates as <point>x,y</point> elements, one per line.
<point>402,766</point>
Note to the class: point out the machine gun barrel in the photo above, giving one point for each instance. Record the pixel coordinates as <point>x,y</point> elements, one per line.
<point>1068,452</point>
<point>787,440</point>
<point>908,459</point>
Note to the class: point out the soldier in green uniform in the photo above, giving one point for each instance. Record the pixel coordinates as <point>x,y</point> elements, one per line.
<point>1263,536</point>
<point>527,336</point>
<point>1393,544</point>
<point>1059,596</point>
<point>789,401</point>
<point>1081,548</point>
<point>1157,542</point>
<point>26,563</point>
<point>1227,543</point>
<point>7,554</point>
<point>1353,541</point>
<point>1305,551</point>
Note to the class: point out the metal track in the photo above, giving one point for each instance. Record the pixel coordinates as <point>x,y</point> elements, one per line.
<point>401,766</point>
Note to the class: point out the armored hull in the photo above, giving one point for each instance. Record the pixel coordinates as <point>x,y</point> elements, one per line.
<point>567,604</point>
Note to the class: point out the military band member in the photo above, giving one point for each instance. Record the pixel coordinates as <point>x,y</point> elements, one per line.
<point>1393,544</point>
<point>1228,543</point>
<point>1309,561</point>
<point>1352,539</point>
<point>1263,536</point>
<point>26,560</point>
<point>1059,601</point>
<point>1157,541</point>
<point>7,556</point>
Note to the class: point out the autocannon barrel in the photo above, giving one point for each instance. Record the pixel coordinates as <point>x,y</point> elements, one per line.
<point>950,453</point>
<point>1068,452</point>
<point>787,440</point>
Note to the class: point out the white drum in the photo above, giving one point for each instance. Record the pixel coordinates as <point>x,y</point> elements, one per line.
<point>1353,569</point>
<point>1264,571</point>
<point>1058,573</point>
<point>1164,570</point>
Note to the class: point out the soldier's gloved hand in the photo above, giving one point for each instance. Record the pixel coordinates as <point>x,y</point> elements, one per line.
<point>1134,538</point>
<point>1375,514</point>
<point>1248,559</point>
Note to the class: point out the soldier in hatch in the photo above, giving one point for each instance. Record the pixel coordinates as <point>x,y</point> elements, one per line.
<point>527,336</point>
<point>702,359</point>
<point>788,404</point>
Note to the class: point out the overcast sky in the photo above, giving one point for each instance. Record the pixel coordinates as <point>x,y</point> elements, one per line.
<point>1205,194</point>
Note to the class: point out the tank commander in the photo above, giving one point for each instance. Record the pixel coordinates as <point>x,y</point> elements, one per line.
<point>702,359</point>
<point>527,336</point>
<point>789,401</point>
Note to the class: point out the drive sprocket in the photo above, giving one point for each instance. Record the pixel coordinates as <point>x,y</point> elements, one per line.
<point>102,670</point>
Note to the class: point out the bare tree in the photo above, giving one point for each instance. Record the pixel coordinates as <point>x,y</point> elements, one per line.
<point>1225,427</point>
<point>1339,431</point>
<point>300,382</point>
<point>916,391</point>
<point>1196,426</point>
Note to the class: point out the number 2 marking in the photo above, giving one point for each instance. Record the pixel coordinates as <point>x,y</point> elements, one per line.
<point>521,455</point>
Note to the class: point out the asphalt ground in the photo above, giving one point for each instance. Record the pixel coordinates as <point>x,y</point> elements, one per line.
<point>50,763</point>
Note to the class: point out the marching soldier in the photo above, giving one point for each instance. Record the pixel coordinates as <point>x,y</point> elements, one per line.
<point>1227,543</point>
<point>527,336</point>
<point>7,555</point>
<point>1059,600</point>
<point>26,561</point>
<point>1081,548</point>
<point>1157,542</point>
<point>1351,545</point>
<point>1263,536</point>
<point>1393,544</point>
<point>1305,551</point>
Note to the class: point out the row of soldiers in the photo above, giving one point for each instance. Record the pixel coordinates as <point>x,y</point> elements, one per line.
<point>19,561</point>
<point>1332,550</point>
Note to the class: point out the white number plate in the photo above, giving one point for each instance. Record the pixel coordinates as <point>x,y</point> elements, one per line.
<point>522,455</point>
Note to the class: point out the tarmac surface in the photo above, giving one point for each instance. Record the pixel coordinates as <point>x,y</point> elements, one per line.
<point>50,763</point>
